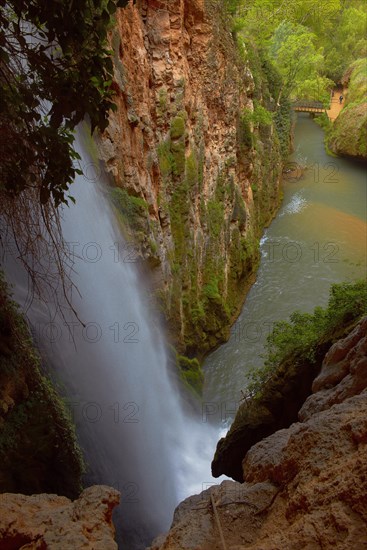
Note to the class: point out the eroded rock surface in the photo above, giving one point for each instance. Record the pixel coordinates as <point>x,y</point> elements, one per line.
<point>57,523</point>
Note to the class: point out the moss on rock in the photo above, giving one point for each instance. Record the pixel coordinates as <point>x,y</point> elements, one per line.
<point>192,373</point>
<point>348,135</point>
<point>38,447</point>
<point>177,127</point>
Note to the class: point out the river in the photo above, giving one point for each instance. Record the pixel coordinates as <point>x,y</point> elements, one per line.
<point>318,237</point>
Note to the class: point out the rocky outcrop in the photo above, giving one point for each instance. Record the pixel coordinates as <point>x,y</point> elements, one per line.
<point>277,408</point>
<point>348,136</point>
<point>57,523</point>
<point>197,180</point>
<point>304,486</point>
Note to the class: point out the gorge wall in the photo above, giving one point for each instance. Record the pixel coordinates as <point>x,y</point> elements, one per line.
<point>196,174</point>
<point>38,447</point>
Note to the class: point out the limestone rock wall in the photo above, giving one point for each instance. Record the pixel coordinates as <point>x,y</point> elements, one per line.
<point>196,183</point>
<point>57,523</point>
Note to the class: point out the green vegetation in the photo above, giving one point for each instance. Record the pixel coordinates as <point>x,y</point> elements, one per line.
<point>348,135</point>
<point>177,127</point>
<point>53,53</point>
<point>38,446</point>
<point>261,116</point>
<point>211,290</point>
<point>128,205</point>
<point>357,88</point>
<point>137,227</point>
<point>166,160</point>
<point>191,373</point>
<point>304,333</point>
<point>192,173</point>
<point>215,217</point>
<point>310,43</point>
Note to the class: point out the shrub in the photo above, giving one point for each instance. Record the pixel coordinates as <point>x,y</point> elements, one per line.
<point>165,158</point>
<point>300,337</point>
<point>211,290</point>
<point>130,207</point>
<point>261,116</point>
<point>191,373</point>
<point>177,127</point>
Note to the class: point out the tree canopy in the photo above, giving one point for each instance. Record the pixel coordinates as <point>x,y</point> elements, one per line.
<point>55,70</point>
<point>310,42</point>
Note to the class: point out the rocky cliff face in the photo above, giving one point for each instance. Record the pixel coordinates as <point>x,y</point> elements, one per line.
<point>38,448</point>
<point>196,179</point>
<point>304,486</point>
<point>56,523</point>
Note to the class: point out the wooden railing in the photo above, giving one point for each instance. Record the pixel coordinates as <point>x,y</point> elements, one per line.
<point>308,106</point>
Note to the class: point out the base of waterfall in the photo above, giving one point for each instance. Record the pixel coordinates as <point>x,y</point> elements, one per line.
<point>304,486</point>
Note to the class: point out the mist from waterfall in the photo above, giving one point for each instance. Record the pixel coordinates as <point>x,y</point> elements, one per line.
<point>114,372</point>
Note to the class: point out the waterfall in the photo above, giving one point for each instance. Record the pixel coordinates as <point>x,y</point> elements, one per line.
<point>126,407</point>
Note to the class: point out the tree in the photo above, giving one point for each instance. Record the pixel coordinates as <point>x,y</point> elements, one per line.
<point>55,69</point>
<point>294,54</point>
<point>348,41</point>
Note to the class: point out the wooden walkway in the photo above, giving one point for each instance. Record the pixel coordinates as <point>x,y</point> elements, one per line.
<point>318,107</point>
<point>301,109</point>
<point>335,106</point>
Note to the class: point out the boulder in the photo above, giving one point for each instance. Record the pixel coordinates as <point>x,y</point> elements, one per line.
<point>57,523</point>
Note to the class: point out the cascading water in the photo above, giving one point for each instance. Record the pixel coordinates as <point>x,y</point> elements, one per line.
<point>126,408</point>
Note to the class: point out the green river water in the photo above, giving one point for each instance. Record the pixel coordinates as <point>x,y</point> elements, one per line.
<point>319,237</point>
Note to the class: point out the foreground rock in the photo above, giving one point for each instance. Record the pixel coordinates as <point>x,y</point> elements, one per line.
<point>305,486</point>
<point>57,523</point>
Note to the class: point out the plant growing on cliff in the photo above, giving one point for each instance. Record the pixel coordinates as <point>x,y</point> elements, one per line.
<point>38,446</point>
<point>191,373</point>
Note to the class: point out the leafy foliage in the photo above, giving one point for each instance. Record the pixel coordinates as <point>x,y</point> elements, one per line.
<point>348,134</point>
<point>293,50</point>
<point>311,43</point>
<point>300,337</point>
<point>191,372</point>
<point>55,70</point>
